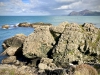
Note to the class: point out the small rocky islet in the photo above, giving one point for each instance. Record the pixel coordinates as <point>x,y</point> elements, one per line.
<point>66,49</point>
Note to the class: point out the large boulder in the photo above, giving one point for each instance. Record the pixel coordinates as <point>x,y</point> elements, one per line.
<point>5,27</point>
<point>14,44</point>
<point>76,44</point>
<point>38,43</point>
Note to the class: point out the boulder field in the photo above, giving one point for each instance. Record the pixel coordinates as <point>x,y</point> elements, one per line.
<point>55,48</point>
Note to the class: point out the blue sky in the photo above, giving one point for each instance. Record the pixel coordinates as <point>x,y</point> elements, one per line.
<point>46,7</point>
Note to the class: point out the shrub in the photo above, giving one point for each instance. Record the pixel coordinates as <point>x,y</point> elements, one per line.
<point>85,69</point>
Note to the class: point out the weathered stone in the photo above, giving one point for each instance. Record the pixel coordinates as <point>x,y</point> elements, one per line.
<point>38,43</point>
<point>24,24</point>
<point>10,51</point>
<point>12,45</point>
<point>90,27</point>
<point>9,60</point>
<point>60,28</point>
<point>39,24</point>
<point>47,64</point>
<point>75,44</point>
<point>5,26</point>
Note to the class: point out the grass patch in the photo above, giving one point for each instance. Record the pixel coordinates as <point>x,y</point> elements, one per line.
<point>10,72</point>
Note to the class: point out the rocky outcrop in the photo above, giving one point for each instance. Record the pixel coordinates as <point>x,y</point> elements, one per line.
<point>33,25</point>
<point>53,48</point>
<point>77,44</point>
<point>24,24</point>
<point>14,44</point>
<point>5,27</point>
<point>39,43</point>
<point>39,24</point>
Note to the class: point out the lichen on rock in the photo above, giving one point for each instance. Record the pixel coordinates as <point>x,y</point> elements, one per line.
<point>38,43</point>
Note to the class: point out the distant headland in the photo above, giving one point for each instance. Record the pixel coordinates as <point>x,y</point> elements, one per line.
<point>84,13</point>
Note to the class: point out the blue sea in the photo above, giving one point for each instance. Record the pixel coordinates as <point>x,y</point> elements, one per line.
<point>55,20</point>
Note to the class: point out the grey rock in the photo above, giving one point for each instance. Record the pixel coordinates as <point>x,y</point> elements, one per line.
<point>13,44</point>
<point>38,44</point>
<point>77,44</point>
<point>46,64</point>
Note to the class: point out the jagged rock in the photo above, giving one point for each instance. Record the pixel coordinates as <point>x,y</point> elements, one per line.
<point>47,64</point>
<point>38,44</point>
<point>90,27</point>
<point>76,44</point>
<point>60,28</point>
<point>9,60</point>
<point>39,24</point>
<point>24,24</point>
<point>13,45</point>
<point>11,50</point>
<point>5,26</point>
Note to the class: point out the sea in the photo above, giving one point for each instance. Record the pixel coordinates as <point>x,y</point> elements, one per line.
<point>54,20</point>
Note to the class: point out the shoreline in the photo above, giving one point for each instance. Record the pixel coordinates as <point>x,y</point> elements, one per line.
<point>52,47</point>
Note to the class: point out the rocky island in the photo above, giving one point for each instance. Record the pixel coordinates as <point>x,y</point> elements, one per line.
<point>66,49</point>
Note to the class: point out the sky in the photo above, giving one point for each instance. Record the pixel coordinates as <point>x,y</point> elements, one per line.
<point>46,7</point>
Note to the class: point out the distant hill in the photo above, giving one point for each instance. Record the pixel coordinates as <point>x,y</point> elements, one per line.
<point>84,13</point>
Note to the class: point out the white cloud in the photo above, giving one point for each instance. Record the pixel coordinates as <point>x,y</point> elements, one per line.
<point>2,4</point>
<point>70,6</point>
<point>46,7</point>
<point>66,0</point>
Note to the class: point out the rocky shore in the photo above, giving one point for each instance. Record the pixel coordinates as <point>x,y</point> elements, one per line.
<point>66,49</point>
<point>26,24</point>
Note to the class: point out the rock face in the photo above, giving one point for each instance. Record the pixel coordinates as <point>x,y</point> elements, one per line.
<point>38,44</point>
<point>12,45</point>
<point>77,44</point>
<point>5,26</point>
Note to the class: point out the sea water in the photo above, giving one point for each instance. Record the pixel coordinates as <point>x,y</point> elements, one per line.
<point>55,20</point>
